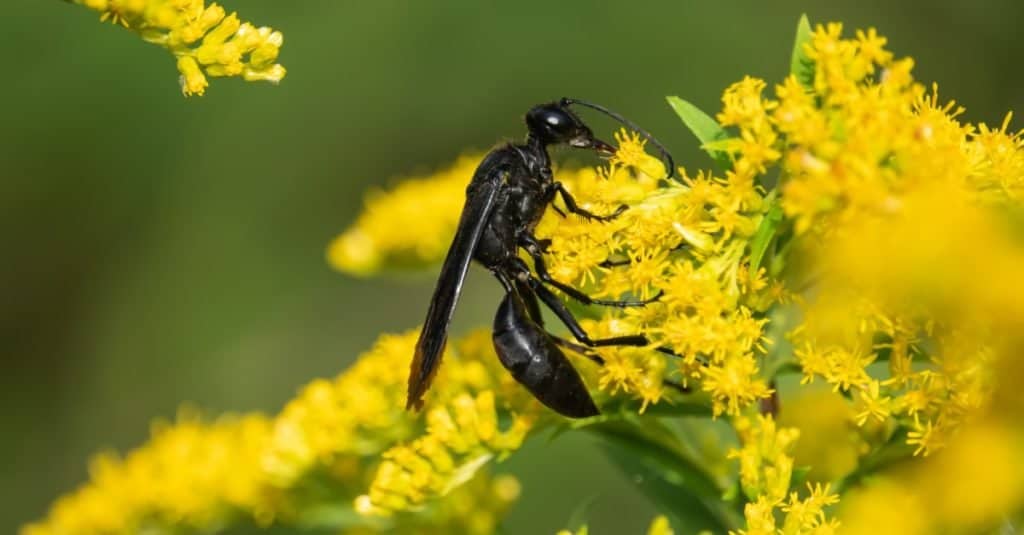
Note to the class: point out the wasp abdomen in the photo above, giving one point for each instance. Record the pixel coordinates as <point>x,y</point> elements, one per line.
<point>529,354</point>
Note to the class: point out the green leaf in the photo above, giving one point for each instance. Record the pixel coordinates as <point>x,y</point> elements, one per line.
<point>648,453</point>
<point>707,130</point>
<point>801,65</point>
<point>765,233</point>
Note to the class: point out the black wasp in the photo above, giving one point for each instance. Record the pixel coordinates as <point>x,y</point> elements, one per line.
<point>507,196</point>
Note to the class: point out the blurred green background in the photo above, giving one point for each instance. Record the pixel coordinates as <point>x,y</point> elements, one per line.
<point>157,249</point>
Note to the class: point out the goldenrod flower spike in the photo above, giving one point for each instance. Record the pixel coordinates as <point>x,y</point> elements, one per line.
<point>407,227</point>
<point>193,474</point>
<point>461,438</point>
<point>204,39</point>
<point>766,470</point>
<point>203,476</point>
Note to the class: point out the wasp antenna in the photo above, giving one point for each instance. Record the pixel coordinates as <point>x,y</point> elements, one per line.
<point>666,157</point>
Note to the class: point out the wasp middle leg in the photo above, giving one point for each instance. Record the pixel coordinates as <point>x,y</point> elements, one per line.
<point>535,248</point>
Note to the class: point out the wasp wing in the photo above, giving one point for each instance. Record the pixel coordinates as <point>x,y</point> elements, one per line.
<point>480,200</point>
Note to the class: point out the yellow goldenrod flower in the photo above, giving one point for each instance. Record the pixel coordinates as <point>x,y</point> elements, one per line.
<point>208,475</point>
<point>460,439</point>
<point>766,469</point>
<point>191,473</point>
<point>205,40</point>
<point>631,153</point>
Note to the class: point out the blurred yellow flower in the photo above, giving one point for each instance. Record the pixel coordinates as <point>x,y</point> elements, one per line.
<point>409,226</point>
<point>208,475</point>
<point>191,473</point>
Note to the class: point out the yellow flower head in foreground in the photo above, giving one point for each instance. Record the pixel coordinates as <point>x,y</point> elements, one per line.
<point>205,40</point>
<point>207,475</point>
<point>191,473</point>
<point>876,172</point>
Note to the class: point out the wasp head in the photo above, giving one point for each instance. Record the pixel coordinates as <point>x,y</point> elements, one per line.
<point>555,124</point>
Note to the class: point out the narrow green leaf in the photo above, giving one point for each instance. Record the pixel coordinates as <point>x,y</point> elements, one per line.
<point>650,455</point>
<point>580,514</point>
<point>704,127</point>
<point>765,233</point>
<point>800,65</point>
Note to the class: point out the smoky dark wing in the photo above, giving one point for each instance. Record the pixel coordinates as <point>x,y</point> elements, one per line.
<point>480,200</point>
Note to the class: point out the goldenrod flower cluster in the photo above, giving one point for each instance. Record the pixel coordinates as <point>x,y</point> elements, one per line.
<point>194,474</point>
<point>459,440</point>
<point>766,473</point>
<point>206,476</point>
<point>687,241</point>
<point>204,39</point>
<point>407,227</point>
<point>866,147</point>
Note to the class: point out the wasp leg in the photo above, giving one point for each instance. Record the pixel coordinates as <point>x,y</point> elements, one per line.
<point>533,248</point>
<point>582,350</point>
<point>570,204</point>
<point>628,261</point>
<point>597,359</point>
<point>615,263</point>
<point>566,317</point>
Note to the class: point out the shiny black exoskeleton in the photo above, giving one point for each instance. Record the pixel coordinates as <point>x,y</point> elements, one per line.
<point>505,200</point>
